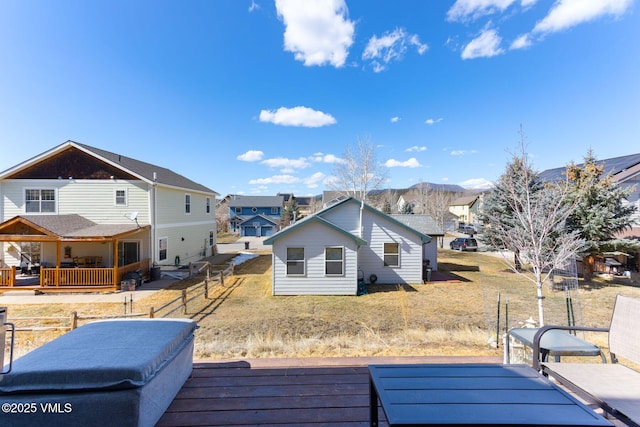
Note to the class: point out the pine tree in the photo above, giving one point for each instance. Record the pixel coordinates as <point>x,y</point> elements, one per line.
<point>601,211</point>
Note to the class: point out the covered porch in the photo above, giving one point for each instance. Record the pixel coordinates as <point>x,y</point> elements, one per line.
<point>52,253</point>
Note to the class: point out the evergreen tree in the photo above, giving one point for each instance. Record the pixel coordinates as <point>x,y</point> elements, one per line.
<point>407,208</point>
<point>601,211</point>
<point>290,212</point>
<point>386,207</point>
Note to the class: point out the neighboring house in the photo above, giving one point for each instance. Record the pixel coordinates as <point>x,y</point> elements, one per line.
<point>625,170</point>
<point>426,225</point>
<point>324,253</point>
<point>403,202</point>
<point>80,206</point>
<point>258,226</point>
<point>466,208</point>
<point>255,215</point>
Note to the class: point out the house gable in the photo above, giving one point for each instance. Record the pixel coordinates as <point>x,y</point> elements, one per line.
<point>71,163</point>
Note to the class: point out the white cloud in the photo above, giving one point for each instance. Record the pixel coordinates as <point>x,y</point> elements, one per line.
<point>433,121</point>
<point>276,179</point>
<point>395,119</point>
<point>254,6</point>
<point>486,45</point>
<point>391,46</point>
<point>521,42</point>
<point>297,116</point>
<point>416,148</point>
<point>462,152</point>
<point>251,156</point>
<point>330,158</point>
<point>476,184</point>
<point>318,32</point>
<point>463,10</point>
<point>313,180</point>
<point>568,13</point>
<point>411,163</point>
<point>288,164</point>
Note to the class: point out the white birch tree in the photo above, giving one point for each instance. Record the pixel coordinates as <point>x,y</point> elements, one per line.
<point>359,172</point>
<point>531,222</point>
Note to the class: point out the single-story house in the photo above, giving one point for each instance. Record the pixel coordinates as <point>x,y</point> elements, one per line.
<point>327,253</point>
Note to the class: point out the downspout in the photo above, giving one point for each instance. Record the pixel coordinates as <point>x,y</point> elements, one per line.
<point>153,218</point>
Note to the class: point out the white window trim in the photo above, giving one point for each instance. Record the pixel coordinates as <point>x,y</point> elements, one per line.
<point>341,261</point>
<point>188,195</point>
<point>55,195</point>
<point>207,206</point>
<point>384,254</point>
<point>211,239</point>
<point>126,197</point>
<point>303,261</point>
<point>167,250</point>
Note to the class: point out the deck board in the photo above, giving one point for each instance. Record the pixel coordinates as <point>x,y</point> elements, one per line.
<point>283,392</point>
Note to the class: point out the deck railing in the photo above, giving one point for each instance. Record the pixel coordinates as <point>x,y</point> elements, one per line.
<point>7,276</point>
<point>141,265</point>
<point>88,276</point>
<point>76,276</point>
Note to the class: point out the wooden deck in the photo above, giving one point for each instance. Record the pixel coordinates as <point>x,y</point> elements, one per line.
<point>307,392</point>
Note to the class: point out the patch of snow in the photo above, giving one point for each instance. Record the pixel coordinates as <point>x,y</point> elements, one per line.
<point>242,257</point>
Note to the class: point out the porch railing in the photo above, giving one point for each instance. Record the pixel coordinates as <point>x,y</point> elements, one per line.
<point>89,276</point>
<point>142,266</point>
<point>8,276</point>
<point>76,276</point>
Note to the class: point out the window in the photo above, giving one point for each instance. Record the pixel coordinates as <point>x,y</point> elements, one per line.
<point>333,262</point>
<point>163,242</point>
<point>212,238</point>
<point>254,210</point>
<point>295,261</point>
<point>128,252</point>
<point>208,206</point>
<point>187,203</point>
<point>274,211</point>
<point>40,200</point>
<point>238,211</point>
<point>121,197</point>
<point>391,255</point>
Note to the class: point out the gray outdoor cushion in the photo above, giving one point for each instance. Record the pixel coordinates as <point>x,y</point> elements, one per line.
<point>104,355</point>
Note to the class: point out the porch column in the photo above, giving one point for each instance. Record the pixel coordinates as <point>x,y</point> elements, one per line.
<point>115,262</point>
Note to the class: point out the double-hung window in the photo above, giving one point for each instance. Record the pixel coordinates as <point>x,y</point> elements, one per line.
<point>208,205</point>
<point>333,261</point>
<point>163,243</point>
<point>391,254</point>
<point>121,197</point>
<point>295,261</point>
<point>187,203</point>
<point>40,200</point>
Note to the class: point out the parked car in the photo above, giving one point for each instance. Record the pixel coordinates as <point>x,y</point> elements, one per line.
<point>464,244</point>
<point>467,229</point>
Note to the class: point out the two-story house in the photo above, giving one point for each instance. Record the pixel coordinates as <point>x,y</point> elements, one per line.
<point>77,215</point>
<point>255,215</point>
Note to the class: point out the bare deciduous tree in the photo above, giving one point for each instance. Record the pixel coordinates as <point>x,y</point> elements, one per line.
<point>359,172</point>
<point>531,224</point>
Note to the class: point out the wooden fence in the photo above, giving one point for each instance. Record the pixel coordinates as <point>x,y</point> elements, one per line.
<point>68,323</point>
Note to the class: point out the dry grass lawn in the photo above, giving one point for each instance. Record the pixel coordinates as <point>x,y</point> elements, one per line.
<point>458,317</point>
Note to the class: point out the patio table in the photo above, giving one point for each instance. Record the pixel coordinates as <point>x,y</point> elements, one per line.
<point>473,394</point>
<point>555,343</point>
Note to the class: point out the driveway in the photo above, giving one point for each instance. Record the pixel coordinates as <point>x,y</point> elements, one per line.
<point>255,244</point>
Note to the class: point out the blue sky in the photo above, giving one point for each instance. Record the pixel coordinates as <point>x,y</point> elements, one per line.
<point>258,97</point>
